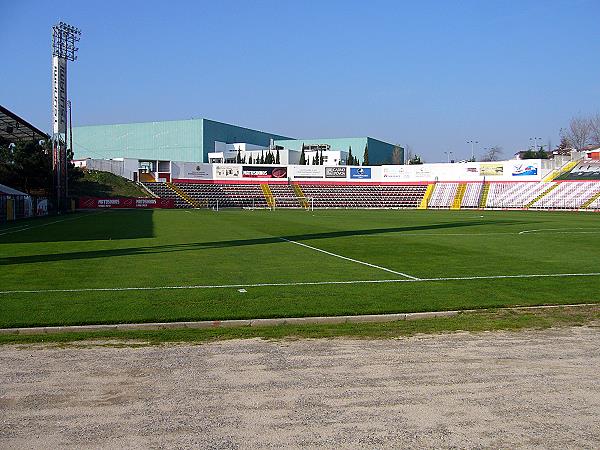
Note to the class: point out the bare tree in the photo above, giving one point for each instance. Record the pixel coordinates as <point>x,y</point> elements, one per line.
<point>595,130</point>
<point>493,154</point>
<point>578,133</point>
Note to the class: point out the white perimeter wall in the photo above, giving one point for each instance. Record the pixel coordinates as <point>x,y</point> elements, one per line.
<point>513,170</point>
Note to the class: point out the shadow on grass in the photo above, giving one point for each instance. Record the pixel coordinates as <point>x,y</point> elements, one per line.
<point>133,251</point>
<point>84,226</point>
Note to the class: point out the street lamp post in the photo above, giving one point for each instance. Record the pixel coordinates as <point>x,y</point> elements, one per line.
<point>448,155</point>
<point>472,142</point>
<point>535,139</point>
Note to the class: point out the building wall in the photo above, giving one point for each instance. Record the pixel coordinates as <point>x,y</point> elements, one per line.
<point>182,140</point>
<point>224,132</point>
<point>379,152</point>
<point>167,140</point>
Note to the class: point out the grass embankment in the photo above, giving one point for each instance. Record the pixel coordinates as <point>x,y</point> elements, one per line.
<point>512,320</point>
<point>95,183</point>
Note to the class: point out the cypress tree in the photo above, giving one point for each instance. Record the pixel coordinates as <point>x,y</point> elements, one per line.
<point>302,157</point>
<point>366,156</point>
<point>277,160</point>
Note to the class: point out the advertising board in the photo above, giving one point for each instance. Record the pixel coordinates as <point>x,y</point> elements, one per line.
<point>525,169</point>
<point>309,172</point>
<point>110,203</point>
<point>194,171</point>
<point>491,169</point>
<point>227,171</point>
<point>264,172</point>
<point>395,172</point>
<point>360,173</point>
<point>335,172</point>
<point>423,172</point>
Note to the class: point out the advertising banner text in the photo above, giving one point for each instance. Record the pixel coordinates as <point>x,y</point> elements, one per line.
<point>264,172</point>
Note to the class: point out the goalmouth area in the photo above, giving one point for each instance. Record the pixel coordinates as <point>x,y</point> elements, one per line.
<point>131,266</point>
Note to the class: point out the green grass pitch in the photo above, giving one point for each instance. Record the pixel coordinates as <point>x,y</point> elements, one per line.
<point>352,262</point>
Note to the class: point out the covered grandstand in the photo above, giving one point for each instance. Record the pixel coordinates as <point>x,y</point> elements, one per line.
<point>16,129</point>
<point>15,204</point>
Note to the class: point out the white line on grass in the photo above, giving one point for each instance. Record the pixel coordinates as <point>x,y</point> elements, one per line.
<point>349,259</point>
<point>500,233</point>
<point>304,283</point>
<point>562,230</point>
<point>27,227</point>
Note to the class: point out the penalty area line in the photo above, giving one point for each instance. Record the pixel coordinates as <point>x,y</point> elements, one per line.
<point>303,283</point>
<point>350,259</point>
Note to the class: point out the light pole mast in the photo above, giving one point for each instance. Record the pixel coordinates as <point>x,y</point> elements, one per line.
<point>64,39</point>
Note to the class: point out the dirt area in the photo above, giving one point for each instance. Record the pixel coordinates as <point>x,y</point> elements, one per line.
<point>501,389</point>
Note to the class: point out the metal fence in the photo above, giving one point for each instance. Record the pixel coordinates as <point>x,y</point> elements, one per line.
<point>15,207</point>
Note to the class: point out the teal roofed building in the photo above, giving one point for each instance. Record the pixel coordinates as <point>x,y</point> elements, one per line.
<point>175,140</point>
<point>192,140</point>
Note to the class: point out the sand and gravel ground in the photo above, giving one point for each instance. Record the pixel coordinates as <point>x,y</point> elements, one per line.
<point>500,389</point>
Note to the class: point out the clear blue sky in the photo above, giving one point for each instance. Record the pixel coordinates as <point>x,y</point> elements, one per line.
<point>430,74</point>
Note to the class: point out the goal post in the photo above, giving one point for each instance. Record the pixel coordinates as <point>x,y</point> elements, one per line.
<point>274,202</point>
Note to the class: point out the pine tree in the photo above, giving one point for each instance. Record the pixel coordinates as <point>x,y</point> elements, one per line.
<point>366,156</point>
<point>238,158</point>
<point>302,157</point>
<point>322,158</point>
<point>262,158</point>
<point>277,160</point>
<point>350,159</point>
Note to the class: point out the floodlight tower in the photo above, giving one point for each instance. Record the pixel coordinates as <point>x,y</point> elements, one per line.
<point>64,39</point>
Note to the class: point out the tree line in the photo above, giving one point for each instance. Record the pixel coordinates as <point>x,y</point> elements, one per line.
<point>268,158</point>
<point>319,159</point>
<point>582,131</point>
<point>27,166</point>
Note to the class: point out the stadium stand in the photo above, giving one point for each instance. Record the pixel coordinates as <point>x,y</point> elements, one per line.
<point>496,195</point>
<point>449,195</point>
<point>514,194</point>
<point>584,170</point>
<point>595,202</point>
<point>568,195</point>
<point>285,196</point>
<point>443,195</point>
<point>472,195</point>
<point>361,196</point>
<point>162,190</point>
<point>212,195</point>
